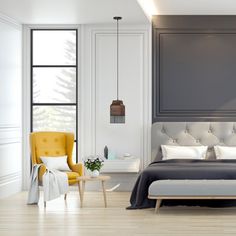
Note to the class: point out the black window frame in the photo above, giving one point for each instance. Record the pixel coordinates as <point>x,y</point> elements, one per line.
<point>32,104</point>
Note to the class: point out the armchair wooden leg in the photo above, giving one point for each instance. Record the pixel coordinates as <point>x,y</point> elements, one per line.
<point>65,197</point>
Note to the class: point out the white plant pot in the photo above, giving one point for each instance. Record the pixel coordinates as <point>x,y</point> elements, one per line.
<point>94,173</point>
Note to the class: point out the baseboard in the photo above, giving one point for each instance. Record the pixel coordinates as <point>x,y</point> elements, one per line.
<point>10,185</point>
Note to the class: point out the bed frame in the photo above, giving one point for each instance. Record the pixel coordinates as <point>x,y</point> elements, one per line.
<point>192,134</point>
<point>159,199</point>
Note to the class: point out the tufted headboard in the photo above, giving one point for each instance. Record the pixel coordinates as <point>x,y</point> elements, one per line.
<point>191,134</point>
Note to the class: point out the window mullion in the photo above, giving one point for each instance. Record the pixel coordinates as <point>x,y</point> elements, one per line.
<point>57,107</point>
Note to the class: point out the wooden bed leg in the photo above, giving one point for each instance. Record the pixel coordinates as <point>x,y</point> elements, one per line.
<point>158,204</point>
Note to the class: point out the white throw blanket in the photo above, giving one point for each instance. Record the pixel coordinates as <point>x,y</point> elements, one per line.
<point>55,183</point>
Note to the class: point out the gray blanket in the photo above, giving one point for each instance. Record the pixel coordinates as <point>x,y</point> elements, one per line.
<point>55,183</point>
<point>181,169</point>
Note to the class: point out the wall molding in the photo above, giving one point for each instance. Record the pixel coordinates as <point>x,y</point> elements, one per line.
<point>9,141</point>
<point>10,21</point>
<point>167,28</point>
<point>10,134</point>
<point>10,184</point>
<point>144,32</point>
<point>6,179</point>
<point>10,125</point>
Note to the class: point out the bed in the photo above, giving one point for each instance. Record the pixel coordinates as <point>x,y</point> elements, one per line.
<point>186,134</point>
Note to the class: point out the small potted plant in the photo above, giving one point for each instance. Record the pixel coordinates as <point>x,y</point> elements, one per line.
<point>94,164</point>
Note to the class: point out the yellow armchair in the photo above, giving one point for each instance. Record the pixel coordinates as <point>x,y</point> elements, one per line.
<point>55,144</point>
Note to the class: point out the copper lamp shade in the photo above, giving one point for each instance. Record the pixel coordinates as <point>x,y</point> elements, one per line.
<point>117,108</point>
<point>117,112</point>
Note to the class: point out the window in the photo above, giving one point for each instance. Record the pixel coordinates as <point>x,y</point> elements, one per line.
<point>54,75</point>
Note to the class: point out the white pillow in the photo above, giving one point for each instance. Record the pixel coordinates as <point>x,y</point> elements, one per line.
<point>57,163</point>
<point>183,152</point>
<point>223,152</point>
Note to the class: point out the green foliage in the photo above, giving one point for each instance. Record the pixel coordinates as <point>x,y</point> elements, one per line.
<point>93,164</point>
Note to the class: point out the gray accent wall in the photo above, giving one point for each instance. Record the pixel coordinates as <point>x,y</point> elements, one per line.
<point>194,68</point>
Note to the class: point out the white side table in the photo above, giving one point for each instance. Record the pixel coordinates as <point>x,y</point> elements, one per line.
<point>128,165</point>
<point>85,178</point>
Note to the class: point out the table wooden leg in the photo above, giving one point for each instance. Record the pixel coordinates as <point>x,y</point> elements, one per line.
<point>82,194</point>
<point>104,193</point>
<point>80,191</point>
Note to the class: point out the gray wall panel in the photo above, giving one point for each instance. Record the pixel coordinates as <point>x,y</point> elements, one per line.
<point>194,72</point>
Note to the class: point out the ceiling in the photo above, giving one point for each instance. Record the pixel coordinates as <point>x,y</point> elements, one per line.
<point>72,11</point>
<point>102,11</point>
<point>189,7</point>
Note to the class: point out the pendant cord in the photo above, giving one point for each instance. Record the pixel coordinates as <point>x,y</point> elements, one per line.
<point>117,60</point>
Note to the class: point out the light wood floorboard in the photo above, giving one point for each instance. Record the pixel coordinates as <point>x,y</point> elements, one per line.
<point>67,218</point>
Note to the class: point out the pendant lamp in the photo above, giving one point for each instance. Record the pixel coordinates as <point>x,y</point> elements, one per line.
<point>117,108</point>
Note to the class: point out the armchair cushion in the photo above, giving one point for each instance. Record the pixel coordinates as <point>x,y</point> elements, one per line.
<point>58,163</point>
<point>72,176</point>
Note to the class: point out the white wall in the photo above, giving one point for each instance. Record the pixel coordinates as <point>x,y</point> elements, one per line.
<point>98,89</point>
<point>10,107</point>
<point>120,138</point>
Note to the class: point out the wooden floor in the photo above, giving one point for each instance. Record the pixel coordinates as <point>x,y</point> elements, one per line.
<point>67,218</point>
